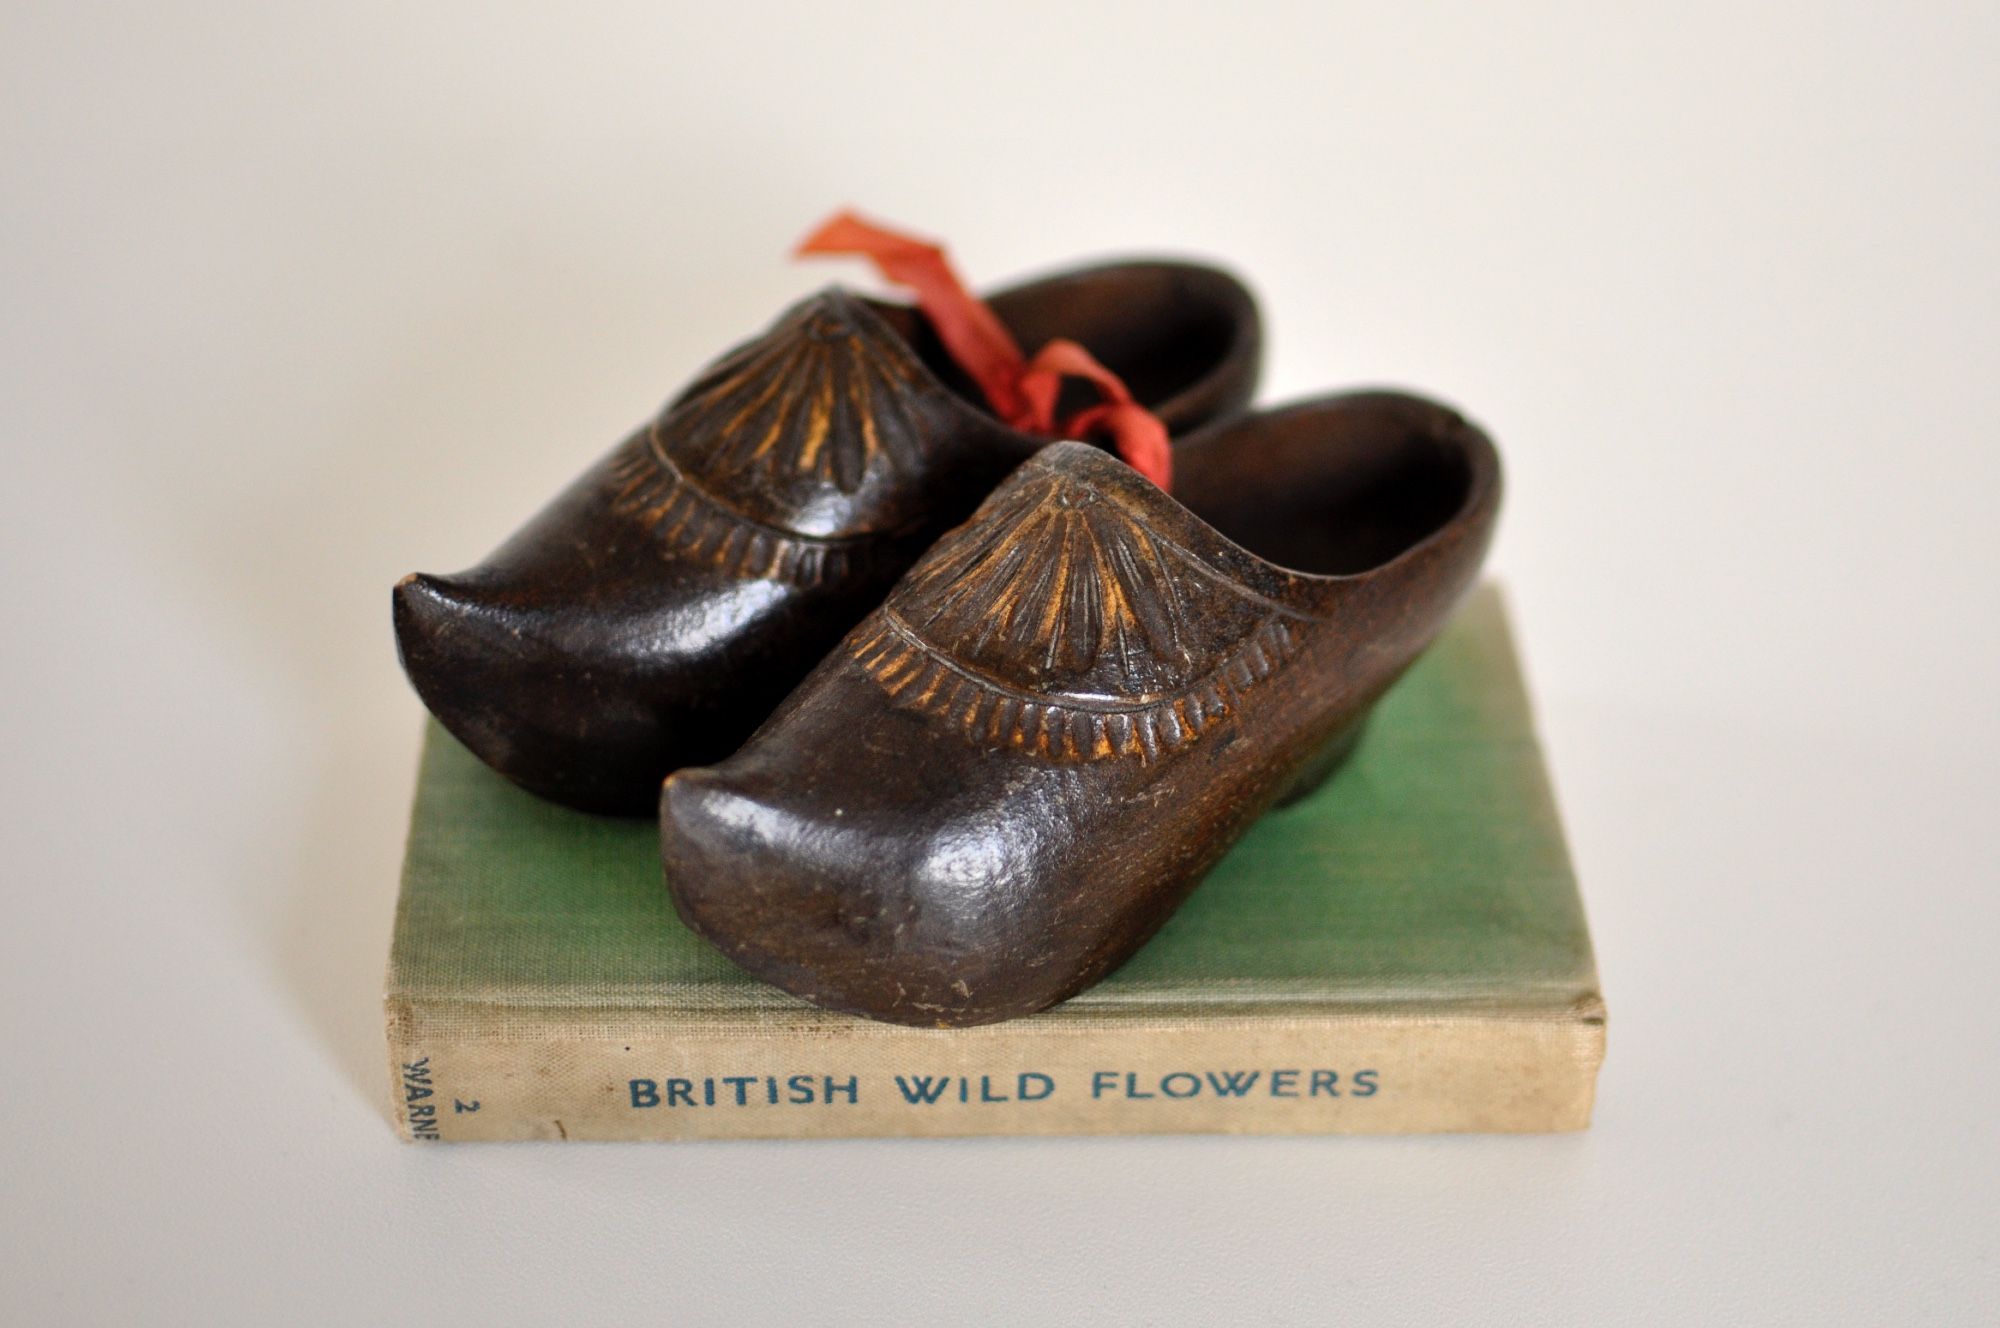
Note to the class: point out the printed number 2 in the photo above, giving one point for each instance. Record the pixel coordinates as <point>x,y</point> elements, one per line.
<point>458,1106</point>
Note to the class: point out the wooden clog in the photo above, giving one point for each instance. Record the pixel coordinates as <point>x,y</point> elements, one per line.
<point>1008,776</point>
<point>656,612</point>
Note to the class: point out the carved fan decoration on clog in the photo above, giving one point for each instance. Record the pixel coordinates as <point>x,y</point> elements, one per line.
<point>793,456</point>
<point>1058,622</point>
<point>747,467</point>
<point>819,404</point>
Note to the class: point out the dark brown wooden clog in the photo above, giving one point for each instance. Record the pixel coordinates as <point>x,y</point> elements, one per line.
<point>659,609</point>
<point>1008,776</point>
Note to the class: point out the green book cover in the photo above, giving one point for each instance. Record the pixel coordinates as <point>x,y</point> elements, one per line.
<point>1403,950</point>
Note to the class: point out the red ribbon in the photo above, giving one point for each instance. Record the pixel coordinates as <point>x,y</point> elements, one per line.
<point>1022,391</point>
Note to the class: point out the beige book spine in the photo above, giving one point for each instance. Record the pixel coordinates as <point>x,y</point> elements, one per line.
<point>464,1075</point>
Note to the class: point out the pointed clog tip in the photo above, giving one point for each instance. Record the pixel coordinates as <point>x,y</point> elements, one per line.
<point>426,611</point>
<point>696,851</point>
<point>426,586</point>
<point>415,595</point>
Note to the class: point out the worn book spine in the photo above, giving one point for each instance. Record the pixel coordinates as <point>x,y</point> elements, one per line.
<point>471,1074</point>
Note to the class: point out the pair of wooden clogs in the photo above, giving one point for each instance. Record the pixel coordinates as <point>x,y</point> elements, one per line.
<point>951,714</point>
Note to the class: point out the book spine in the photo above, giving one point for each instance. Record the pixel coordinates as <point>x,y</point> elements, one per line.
<point>462,1078</point>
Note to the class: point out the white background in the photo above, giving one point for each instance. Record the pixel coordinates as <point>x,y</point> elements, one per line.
<point>297,298</point>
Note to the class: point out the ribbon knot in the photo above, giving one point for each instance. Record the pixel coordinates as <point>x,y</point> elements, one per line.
<point>1023,392</point>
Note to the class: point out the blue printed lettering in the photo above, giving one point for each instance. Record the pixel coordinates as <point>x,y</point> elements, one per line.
<point>1234,1083</point>
<point>921,1089</point>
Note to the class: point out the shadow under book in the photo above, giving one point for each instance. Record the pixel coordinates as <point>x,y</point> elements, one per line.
<point>1403,951</point>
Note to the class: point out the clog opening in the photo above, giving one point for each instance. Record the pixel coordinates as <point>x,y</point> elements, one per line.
<point>1164,329</point>
<point>1332,491</point>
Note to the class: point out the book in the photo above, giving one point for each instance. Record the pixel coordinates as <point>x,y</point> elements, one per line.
<point>1404,950</point>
